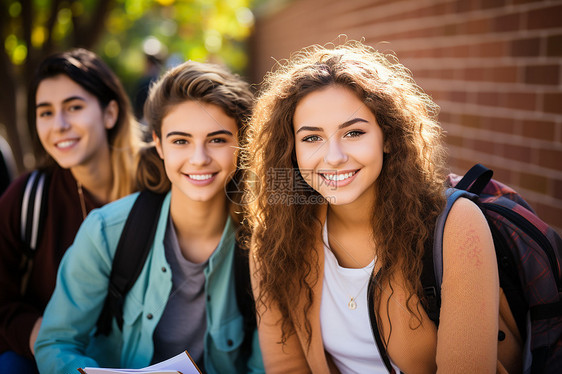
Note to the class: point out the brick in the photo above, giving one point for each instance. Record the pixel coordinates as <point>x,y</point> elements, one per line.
<point>534,182</point>
<point>479,26</point>
<point>544,130</point>
<point>551,158</point>
<point>488,98</point>
<point>504,175</point>
<point>554,45</point>
<point>545,18</point>
<point>458,96</point>
<point>520,100</point>
<point>506,22</point>
<point>489,4</point>
<point>487,50</point>
<point>454,140</point>
<point>449,30</point>
<point>553,103</point>
<point>525,47</point>
<point>505,74</point>
<point>526,1</point>
<point>486,147</point>
<point>475,74</point>
<point>517,152</point>
<point>470,120</point>
<point>542,74</point>
<point>503,125</point>
<point>557,188</point>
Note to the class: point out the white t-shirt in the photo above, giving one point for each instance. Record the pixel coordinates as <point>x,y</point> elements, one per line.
<point>346,332</point>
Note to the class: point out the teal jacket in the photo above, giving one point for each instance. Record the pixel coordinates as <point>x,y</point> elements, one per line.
<point>66,340</point>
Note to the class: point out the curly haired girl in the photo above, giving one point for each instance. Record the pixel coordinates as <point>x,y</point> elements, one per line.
<point>357,146</point>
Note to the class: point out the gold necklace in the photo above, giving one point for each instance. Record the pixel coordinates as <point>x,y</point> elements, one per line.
<point>352,304</point>
<point>82,202</point>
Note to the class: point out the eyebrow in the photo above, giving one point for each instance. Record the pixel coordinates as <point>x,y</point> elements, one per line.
<point>68,99</point>
<point>211,134</point>
<point>342,126</point>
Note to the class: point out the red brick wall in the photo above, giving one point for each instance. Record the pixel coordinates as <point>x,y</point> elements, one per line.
<point>493,66</point>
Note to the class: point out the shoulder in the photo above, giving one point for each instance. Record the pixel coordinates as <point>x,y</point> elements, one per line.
<point>466,227</point>
<point>110,216</point>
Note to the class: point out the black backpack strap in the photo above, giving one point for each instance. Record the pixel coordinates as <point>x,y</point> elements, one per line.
<point>244,296</point>
<point>33,210</point>
<point>131,253</point>
<point>475,179</point>
<point>431,300</point>
<point>374,327</point>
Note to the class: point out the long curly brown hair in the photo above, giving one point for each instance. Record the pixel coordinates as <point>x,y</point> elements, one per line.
<point>409,190</point>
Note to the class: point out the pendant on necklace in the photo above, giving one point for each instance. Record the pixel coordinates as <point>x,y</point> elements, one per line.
<point>352,304</point>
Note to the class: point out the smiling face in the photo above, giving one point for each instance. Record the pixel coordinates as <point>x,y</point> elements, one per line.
<point>339,145</point>
<point>71,124</point>
<point>198,146</point>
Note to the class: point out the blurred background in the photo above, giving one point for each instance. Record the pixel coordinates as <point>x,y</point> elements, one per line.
<point>493,66</point>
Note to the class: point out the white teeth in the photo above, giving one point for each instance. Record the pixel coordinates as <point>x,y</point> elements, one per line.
<point>65,143</point>
<point>200,177</point>
<point>338,177</point>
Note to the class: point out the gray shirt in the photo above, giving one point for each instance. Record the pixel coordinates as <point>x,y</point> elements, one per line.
<point>183,323</point>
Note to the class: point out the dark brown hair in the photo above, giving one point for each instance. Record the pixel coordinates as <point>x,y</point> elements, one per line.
<point>91,73</point>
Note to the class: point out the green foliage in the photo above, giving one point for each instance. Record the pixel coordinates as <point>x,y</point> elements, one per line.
<point>203,30</point>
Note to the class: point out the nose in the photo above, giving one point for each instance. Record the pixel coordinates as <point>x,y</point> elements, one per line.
<point>335,154</point>
<point>199,157</point>
<point>61,123</point>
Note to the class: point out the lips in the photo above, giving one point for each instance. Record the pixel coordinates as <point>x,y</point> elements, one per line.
<point>338,176</point>
<point>201,179</point>
<point>338,179</point>
<point>65,144</point>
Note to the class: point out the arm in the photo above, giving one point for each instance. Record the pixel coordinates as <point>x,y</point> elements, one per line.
<point>277,358</point>
<point>72,312</point>
<point>17,317</point>
<point>468,329</point>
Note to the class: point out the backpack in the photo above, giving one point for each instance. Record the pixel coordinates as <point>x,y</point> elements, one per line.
<point>131,253</point>
<point>529,256</point>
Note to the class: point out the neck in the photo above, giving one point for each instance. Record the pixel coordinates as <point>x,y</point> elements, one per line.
<point>97,180</point>
<point>198,220</point>
<point>350,216</point>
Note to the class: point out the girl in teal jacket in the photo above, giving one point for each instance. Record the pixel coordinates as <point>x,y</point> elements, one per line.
<point>184,298</point>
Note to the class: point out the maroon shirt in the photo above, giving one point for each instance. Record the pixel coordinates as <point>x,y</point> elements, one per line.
<point>18,312</point>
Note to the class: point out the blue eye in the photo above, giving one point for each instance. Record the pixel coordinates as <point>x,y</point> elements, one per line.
<point>311,138</point>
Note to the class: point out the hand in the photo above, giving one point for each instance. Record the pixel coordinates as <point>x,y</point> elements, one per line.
<point>34,333</point>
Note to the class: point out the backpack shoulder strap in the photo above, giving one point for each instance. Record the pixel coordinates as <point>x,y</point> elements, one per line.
<point>244,296</point>
<point>32,210</point>
<point>131,253</point>
<point>374,326</point>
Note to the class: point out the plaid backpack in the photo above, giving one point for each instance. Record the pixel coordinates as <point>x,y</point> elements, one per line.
<point>529,256</point>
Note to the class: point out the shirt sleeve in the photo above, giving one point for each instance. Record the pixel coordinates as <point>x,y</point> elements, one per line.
<point>17,316</point>
<point>71,315</point>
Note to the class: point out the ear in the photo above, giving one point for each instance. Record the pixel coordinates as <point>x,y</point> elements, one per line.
<point>158,145</point>
<point>110,115</point>
<point>386,148</point>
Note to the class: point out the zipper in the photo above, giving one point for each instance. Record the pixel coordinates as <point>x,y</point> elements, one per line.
<point>533,232</point>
